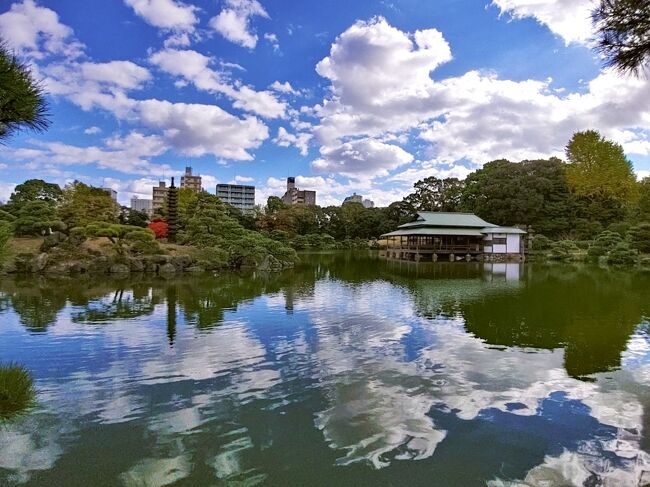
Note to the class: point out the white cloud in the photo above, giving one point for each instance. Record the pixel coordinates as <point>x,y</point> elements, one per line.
<point>570,19</point>
<point>300,140</point>
<point>380,79</point>
<point>196,129</point>
<point>123,74</point>
<point>166,14</point>
<point>364,157</point>
<point>92,130</point>
<point>129,154</point>
<point>36,31</point>
<point>5,191</point>
<point>283,87</point>
<point>244,179</point>
<point>273,39</point>
<point>381,87</point>
<point>233,22</point>
<point>194,68</point>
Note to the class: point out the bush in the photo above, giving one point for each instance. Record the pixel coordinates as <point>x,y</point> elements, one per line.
<point>644,263</point>
<point>639,237</point>
<point>622,254</point>
<point>16,390</point>
<point>159,228</point>
<point>603,243</point>
<point>564,250</point>
<point>620,227</point>
<point>540,242</point>
<point>211,258</point>
<point>5,234</point>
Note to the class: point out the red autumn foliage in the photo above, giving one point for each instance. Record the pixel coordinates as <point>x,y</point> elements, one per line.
<point>159,227</point>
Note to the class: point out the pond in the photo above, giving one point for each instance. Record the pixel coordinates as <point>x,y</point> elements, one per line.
<point>348,370</point>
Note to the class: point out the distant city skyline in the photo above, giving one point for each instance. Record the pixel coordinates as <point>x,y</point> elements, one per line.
<point>364,96</point>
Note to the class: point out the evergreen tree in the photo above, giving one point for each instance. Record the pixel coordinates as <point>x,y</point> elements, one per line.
<point>22,102</point>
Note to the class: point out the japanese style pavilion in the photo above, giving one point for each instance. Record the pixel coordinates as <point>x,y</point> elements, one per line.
<point>453,236</point>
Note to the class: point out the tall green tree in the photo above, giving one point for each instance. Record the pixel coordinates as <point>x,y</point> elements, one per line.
<point>643,205</point>
<point>601,177</point>
<point>34,190</point>
<point>82,205</point>
<point>22,101</point>
<point>434,194</point>
<point>623,33</point>
<point>599,169</point>
<point>528,193</point>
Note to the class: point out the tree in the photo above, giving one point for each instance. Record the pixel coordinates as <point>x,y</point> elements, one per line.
<point>599,169</point>
<point>527,193</point>
<point>274,204</point>
<point>82,205</point>
<point>5,235</point>
<point>22,101</point>
<point>125,238</point>
<point>433,194</point>
<point>639,237</point>
<point>643,205</point>
<point>129,216</point>
<point>159,228</point>
<point>601,177</point>
<point>623,33</point>
<point>37,218</point>
<point>34,190</point>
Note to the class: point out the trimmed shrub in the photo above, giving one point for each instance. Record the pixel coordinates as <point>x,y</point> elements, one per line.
<point>639,237</point>
<point>564,250</point>
<point>540,242</point>
<point>603,243</point>
<point>622,254</point>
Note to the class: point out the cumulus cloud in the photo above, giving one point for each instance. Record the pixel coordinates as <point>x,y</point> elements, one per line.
<point>300,140</point>
<point>36,31</point>
<point>365,157</point>
<point>171,15</point>
<point>196,129</point>
<point>283,88</point>
<point>381,88</point>
<point>233,22</point>
<point>569,19</point>
<point>92,130</point>
<point>380,79</point>
<point>194,67</point>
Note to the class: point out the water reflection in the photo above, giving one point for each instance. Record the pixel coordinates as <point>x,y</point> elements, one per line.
<point>346,370</point>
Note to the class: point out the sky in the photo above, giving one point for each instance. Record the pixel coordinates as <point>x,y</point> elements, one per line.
<point>348,96</point>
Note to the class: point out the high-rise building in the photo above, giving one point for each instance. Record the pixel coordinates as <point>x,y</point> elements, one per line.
<point>112,193</point>
<point>240,196</point>
<point>357,198</point>
<point>295,196</point>
<point>190,181</point>
<point>141,204</point>
<point>159,196</point>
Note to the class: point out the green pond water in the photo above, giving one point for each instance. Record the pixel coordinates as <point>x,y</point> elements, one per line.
<point>348,370</point>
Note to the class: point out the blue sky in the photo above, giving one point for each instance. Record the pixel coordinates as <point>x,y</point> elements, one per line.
<point>361,96</point>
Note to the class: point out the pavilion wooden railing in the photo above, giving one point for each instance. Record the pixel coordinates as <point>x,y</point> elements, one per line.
<point>433,248</point>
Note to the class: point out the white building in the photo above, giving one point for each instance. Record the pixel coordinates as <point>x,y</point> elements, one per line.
<point>144,205</point>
